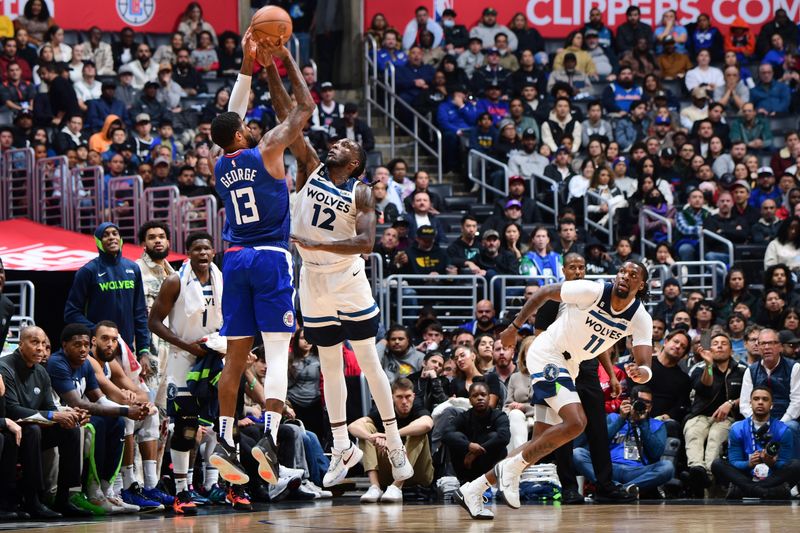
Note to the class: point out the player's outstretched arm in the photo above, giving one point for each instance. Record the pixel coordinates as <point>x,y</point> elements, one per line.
<point>241,89</point>
<point>548,292</point>
<point>307,160</point>
<point>364,240</point>
<point>281,136</point>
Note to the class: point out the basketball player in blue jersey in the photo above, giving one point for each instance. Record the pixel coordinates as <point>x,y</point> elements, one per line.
<point>333,224</point>
<point>593,318</point>
<point>257,269</point>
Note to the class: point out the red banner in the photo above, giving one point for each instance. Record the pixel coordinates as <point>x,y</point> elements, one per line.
<point>154,16</point>
<point>26,245</point>
<point>556,18</point>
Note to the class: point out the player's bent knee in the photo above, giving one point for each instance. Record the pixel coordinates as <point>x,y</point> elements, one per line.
<point>184,437</point>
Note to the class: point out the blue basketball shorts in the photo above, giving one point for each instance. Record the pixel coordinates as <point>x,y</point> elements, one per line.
<point>258,292</point>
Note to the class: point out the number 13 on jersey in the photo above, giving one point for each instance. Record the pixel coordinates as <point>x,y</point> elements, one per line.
<point>249,206</point>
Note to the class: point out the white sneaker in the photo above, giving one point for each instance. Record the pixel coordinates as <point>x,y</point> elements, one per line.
<point>107,506</point>
<point>373,495</point>
<point>341,462</point>
<point>288,480</point>
<point>401,468</point>
<point>321,493</point>
<point>473,502</point>
<point>507,484</point>
<point>393,494</point>
<point>128,507</point>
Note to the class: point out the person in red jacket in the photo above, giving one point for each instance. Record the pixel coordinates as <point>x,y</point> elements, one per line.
<point>612,402</point>
<point>740,39</point>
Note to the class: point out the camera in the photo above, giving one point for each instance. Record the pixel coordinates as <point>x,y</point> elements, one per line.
<point>639,407</point>
<point>764,438</point>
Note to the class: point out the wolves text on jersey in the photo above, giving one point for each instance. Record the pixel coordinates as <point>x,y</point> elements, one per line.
<point>337,203</point>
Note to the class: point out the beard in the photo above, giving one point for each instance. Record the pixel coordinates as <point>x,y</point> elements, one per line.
<point>252,142</point>
<point>626,83</point>
<point>622,293</point>
<point>157,256</point>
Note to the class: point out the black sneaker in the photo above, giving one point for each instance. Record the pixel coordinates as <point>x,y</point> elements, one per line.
<point>266,453</point>
<point>612,493</point>
<point>734,493</point>
<point>571,496</point>
<point>225,460</point>
<point>698,481</point>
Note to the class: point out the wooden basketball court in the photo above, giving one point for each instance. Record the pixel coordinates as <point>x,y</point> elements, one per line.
<point>346,514</point>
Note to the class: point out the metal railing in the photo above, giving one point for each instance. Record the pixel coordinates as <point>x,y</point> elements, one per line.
<point>219,244</point>
<point>159,204</point>
<point>714,237</point>
<point>197,213</point>
<point>374,265</point>
<point>87,199</point>
<point>512,300</point>
<point>373,82</point>
<point>124,203</point>
<point>16,192</point>
<point>455,297</point>
<point>608,227</point>
<point>701,276</point>
<point>480,159</point>
<point>23,295</point>
<point>644,215</point>
<point>553,186</point>
<point>52,190</point>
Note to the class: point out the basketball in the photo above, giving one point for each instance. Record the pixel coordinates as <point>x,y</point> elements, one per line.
<point>272,25</point>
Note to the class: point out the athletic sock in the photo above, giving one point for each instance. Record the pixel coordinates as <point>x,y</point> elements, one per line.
<point>190,477</point>
<point>481,483</point>
<point>271,422</point>
<point>516,464</point>
<point>341,439</point>
<point>128,476</point>
<point>226,429</point>
<point>118,484</point>
<point>210,478</point>
<point>150,474</point>
<point>180,466</point>
<point>181,484</point>
<point>393,440</point>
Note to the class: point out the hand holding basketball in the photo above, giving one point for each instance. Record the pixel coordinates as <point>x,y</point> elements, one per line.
<point>271,26</point>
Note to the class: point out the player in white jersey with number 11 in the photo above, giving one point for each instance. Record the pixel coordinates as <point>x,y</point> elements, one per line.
<point>592,318</point>
<point>333,223</point>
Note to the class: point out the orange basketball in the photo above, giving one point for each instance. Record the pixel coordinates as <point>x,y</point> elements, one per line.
<point>272,25</point>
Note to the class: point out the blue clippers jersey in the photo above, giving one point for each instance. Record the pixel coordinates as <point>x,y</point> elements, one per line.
<point>256,204</point>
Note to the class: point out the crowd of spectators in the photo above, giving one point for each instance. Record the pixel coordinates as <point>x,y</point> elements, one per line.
<point>669,121</point>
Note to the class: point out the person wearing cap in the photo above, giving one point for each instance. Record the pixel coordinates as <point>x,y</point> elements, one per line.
<point>704,74</point>
<point>527,161</point>
<point>491,102</point>
<point>421,21</point>
<point>125,91</point>
<point>425,256</point>
<point>456,36</point>
<point>148,103</point>
<point>770,96</point>
<point>765,188</point>
<point>63,100</point>
<point>169,92</point>
<point>516,191</point>
<point>106,104</point>
<point>752,128</point>
<point>143,140</point>
<point>672,63</point>
<point>599,56</point>
<point>351,127</point>
<point>472,58</point>
<point>790,344</point>
<point>632,29</point>
<point>494,260</point>
<point>597,261</point>
<point>571,75</point>
<point>633,127</point>
<point>491,75</point>
<point>561,124</point>
<point>741,202</point>
<point>511,212</point>
<point>560,170</point>
<point>619,94</point>
<point>144,69</point>
<point>697,111</point>
<point>488,27</point>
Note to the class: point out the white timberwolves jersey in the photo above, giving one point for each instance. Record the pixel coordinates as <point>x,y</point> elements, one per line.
<point>587,326</point>
<point>198,309</point>
<point>324,212</point>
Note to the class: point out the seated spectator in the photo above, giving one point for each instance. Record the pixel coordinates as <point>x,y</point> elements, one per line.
<point>595,125</point>
<point>389,52</point>
<point>464,251</point>
<point>695,113</point>
<point>54,36</point>
<point>386,210</point>
<point>70,136</point>
<point>741,199</point>
<point>88,88</point>
<point>399,357</point>
<point>186,75</point>
<point>569,74</point>
<point>125,91</point>
<point>640,59</point>
<point>761,451</point>
<point>771,97</point>
<point>106,104</point>
<point>35,19</point>
<point>101,141</point>
<point>229,54</point>
<point>597,262</point>
<point>456,36</point>
<point>560,125</point>
<point>670,383</point>
<point>400,181</point>
<point>595,23</point>
<point>16,93</point>
<point>671,63</point>
<point>583,61</point>
<point>621,93</point>
<point>476,438</point>
<point>414,423</point>
<point>167,53</point>
<point>637,444</point>
<point>541,260</point>
<point>411,78</point>
<point>148,103</point>
<point>456,117</point>
<point>507,59</point>
<point>421,184</point>
<point>144,69</point>
<point>670,28</point>
<point>704,74</point>
<point>672,302</point>
<point>726,225</point>
<point>518,405</point>
<point>690,221</point>
<point>169,93</point>
<point>768,226</point>
<point>611,198</point>
<point>353,128</point>
<point>502,362</point>
<point>204,56</point>
<point>488,28</point>
<point>703,36</point>
<point>766,188</point>
<point>421,22</point>
<point>485,321</point>
<point>425,257</point>
<point>735,94</point>
<point>751,128</point>
<point>430,386</point>
<point>431,55</point>
<point>381,174</point>
<point>422,215</point>
<point>784,249</point>
<point>9,56</point>
<point>633,29</point>
<point>507,141</point>
<point>740,40</point>
<point>491,76</point>
<point>192,25</point>
<point>471,59</point>
<point>99,52</point>
<point>600,55</point>
<point>716,382</point>
<point>633,127</point>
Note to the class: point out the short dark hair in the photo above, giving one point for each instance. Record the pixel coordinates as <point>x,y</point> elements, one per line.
<point>432,353</point>
<point>761,387</point>
<point>224,128</point>
<point>74,330</point>
<point>186,167</point>
<point>421,8</point>
<point>152,224</point>
<point>395,328</point>
<point>198,236</point>
<point>478,383</point>
<point>638,389</point>
<point>468,217</point>
<point>361,156</point>
<point>105,324</point>
<point>402,384</point>
<point>631,10</point>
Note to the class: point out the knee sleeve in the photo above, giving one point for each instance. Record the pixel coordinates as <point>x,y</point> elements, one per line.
<point>130,427</point>
<point>331,363</point>
<point>367,356</point>
<point>148,430</point>
<point>183,438</point>
<point>276,353</point>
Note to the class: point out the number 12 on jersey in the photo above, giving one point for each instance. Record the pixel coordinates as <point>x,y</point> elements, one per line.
<point>249,204</point>
<point>330,215</point>
<point>594,344</point>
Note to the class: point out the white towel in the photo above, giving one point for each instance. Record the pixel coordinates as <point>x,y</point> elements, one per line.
<point>192,291</point>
